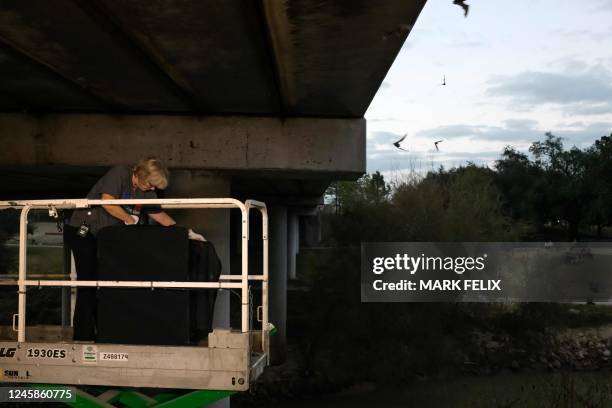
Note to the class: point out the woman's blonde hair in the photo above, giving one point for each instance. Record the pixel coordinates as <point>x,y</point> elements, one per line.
<point>152,171</point>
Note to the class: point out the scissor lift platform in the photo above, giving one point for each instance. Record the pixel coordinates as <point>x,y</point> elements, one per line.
<point>229,361</point>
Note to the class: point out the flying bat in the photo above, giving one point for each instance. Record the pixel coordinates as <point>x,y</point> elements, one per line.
<point>465,7</point>
<point>397,144</point>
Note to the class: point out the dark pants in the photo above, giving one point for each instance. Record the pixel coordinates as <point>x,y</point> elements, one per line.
<point>84,250</point>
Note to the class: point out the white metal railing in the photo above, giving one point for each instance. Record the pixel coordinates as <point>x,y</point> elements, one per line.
<point>225,281</point>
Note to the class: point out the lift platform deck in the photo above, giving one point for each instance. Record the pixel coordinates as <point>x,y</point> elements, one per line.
<point>229,361</point>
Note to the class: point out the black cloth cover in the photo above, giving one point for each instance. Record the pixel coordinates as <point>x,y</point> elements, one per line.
<point>143,316</point>
<point>204,266</point>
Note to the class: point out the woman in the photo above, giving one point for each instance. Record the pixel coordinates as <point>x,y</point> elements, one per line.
<point>120,182</point>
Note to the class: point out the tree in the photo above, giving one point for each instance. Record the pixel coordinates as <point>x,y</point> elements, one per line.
<point>566,175</point>
<point>475,208</point>
<point>518,180</point>
<point>460,204</point>
<point>362,211</point>
<point>569,187</point>
<point>599,211</point>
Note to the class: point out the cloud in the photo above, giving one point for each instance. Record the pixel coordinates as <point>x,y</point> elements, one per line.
<point>586,135</point>
<point>469,44</point>
<point>383,156</point>
<point>464,39</point>
<point>382,137</point>
<point>514,131</point>
<point>572,63</point>
<point>581,35</point>
<point>604,5</point>
<point>570,125</point>
<point>568,89</point>
<point>473,156</point>
<point>397,160</point>
<point>588,109</point>
<point>424,161</point>
<point>520,123</point>
<point>449,132</point>
<point>517,131</point>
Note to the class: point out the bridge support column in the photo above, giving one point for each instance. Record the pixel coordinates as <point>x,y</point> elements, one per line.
<point>214,224</point>
<point>311,226</point>
<point>293,243</point>
<point>278,282</point>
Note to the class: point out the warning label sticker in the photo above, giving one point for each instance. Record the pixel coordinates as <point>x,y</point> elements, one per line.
<point>90,354</point>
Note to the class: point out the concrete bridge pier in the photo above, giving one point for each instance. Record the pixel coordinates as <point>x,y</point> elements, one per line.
<point>301,217</point>
<point>293,243</point>
<point>278,282</point>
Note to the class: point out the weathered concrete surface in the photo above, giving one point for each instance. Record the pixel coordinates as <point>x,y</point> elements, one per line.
<point>230,143</point>
<point>63,37</point>
<point>278,282</point>
<point>293,244</point>
<point>263,57</point>
<point>214,50</point>
<point>332,56</point>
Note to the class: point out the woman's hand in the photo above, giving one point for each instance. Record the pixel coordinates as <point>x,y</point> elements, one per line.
<point>195,236</point>
<point>133,220</point>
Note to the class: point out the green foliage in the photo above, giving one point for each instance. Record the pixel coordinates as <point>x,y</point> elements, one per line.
<point>517,178</point>
<point>571,187</point>
<point>346,340</point>
<point>369,190</point>
<point>459,205</point>
<point>599,210</point>
<point>355,202</point>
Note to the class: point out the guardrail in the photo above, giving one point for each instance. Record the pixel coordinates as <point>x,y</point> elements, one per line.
<point>225,281</point>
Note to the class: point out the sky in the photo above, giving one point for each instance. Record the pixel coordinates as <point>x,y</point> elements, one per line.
<point>514,71</point>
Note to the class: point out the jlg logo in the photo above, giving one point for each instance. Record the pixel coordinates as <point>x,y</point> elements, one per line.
<point>7,352</point>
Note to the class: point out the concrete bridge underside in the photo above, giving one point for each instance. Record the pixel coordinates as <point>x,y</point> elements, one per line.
<point>259,98</point>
